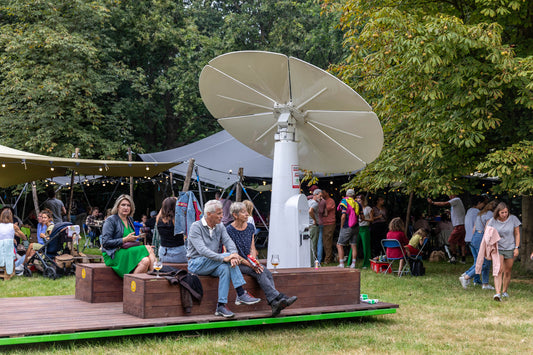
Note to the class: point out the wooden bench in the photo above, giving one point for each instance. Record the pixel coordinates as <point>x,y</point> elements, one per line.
<point>146,296</point>
<point>98,283</point>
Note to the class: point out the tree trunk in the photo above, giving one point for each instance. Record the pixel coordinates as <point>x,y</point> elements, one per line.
<point>238,191</point>
<point>408,215</point>
<point>526,238</point>
<point>35,198</point>
<point>187,181</point>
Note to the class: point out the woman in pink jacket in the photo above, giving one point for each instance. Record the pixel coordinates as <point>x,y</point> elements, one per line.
<point>508,227</point>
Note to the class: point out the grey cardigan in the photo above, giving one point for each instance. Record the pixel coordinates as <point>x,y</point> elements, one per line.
<point>201,243</point>
<point>112,234</point>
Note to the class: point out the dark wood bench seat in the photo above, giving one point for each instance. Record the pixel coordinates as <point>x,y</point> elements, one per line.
<point>148,297</point>
<point>98,283</point>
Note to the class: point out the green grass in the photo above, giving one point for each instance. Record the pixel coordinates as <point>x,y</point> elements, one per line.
<point>435,316</point>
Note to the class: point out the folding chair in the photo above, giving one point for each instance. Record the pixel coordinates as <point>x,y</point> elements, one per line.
<point>419,255</point>
<point>393,243</point>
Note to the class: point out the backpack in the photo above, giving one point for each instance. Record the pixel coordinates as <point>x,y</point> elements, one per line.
<point>417,267</point>
<point>352,210</point>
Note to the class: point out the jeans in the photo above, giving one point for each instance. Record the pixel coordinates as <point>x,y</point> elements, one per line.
<point>319,247</point>
<point>265,281</point>
<point>173,254</point>
<point>220,269</point>
<point>474,247</point>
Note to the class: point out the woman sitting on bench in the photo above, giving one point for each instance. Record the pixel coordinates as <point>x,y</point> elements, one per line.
<point>118,234</point>
<point>242,234</point>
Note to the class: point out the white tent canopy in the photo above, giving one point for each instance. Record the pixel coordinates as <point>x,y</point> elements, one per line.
<point>217,155</point>
<point>218,158</point>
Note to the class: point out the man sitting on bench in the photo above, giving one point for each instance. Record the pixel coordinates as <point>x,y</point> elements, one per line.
<point>204,242</point>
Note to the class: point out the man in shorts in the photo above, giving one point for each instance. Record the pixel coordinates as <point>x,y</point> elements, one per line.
<point>457,237</point>
<point>349,231</point>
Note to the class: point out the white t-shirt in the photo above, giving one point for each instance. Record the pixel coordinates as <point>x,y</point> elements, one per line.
<point>470,218</point>
<point>366,213</point>
<point>7,231</point>
<point>457,211</point>
<point>251,221</point>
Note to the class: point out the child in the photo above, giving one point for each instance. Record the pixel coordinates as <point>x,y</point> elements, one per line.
<point>417,240</point>
<point>396,228</point>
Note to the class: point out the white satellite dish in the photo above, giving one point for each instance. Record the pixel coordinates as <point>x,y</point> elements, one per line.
<point>301,117</point>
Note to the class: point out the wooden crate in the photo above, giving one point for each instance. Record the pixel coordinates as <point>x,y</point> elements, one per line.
<point>97,283</point>
<point>148,297</point>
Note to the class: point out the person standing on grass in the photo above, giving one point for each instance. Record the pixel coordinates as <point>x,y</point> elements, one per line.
<point>508,227</point>
<point>457,238</point>
<point>378,226</point>
<point>329,226</point>
<point>350,210</point>
<point>314,228</point>
<point>364,230</point>
<point>56,206</point>
<point>204,239</point>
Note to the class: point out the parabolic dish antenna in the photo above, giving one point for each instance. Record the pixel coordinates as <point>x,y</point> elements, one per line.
<point>301,117</point>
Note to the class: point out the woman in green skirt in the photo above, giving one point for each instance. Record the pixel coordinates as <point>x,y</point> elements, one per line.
<point>117,231</point>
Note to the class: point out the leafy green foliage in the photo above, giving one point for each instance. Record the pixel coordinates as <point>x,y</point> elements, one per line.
<point>447,87</point>
<point>58,79</point>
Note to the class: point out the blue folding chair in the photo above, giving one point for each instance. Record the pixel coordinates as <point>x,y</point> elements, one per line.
<point>393,243</point>
<point>419,255</point>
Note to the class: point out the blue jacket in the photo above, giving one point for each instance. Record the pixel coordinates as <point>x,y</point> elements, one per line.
<point>187,212</point>
<point>112,234</point>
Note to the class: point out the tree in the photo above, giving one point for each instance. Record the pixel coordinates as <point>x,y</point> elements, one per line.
<point>58,79</point>
<point>451,83</point>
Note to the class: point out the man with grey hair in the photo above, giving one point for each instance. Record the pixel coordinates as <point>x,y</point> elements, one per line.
<point>350,210</point>
<point>204,239</point>
<point>314,222</point>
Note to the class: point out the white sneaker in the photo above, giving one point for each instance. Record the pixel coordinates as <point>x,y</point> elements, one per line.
<point>352,266</point>
<point>464,282</point>
<point>340,265</point>
<point>487,287</point>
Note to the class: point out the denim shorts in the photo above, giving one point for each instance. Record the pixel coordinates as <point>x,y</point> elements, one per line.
<point>507,254</point>
<point>348,235</point>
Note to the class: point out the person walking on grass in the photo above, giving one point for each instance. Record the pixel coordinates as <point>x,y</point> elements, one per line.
<point>508,227</point>
<point>457,237</point>
<point>480,222</point>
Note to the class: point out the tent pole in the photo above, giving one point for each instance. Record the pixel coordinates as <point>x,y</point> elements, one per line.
<point>238,191</point>
<point>131,177</point>
<point>76,153</point>
<point>35,199</point>
<point>187,181</point>
<point>172,185</point>
<point>255,208</point>
<point>199,188</point>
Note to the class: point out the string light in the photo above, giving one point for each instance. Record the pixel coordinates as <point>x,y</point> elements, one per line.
<point>3,165</point>
<point>52,169</point>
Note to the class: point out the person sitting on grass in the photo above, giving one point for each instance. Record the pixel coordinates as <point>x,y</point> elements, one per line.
<point>396,228</point>
<point>242,234</point>
<point>416,241</point>
<point>204,239</point>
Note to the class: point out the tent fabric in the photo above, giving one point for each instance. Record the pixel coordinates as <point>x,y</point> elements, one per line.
<point>215,156</point>
<point>17,166</point>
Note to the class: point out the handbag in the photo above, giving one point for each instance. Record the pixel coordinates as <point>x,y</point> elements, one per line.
<point>128,245</point>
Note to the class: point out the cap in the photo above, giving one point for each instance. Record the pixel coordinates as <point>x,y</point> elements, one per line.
<point>350,192</point>
<point>317,192</point>
<point>313,188</point>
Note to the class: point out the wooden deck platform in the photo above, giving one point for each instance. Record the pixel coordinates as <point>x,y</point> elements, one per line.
<point>58,318</point>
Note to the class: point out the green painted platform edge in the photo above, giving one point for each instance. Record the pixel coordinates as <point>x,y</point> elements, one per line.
<point>189,326</point>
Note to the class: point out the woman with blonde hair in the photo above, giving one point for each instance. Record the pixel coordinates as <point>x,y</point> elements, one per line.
<point>117,233</point>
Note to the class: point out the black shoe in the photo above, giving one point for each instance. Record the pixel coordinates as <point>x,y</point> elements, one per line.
<point>290,300</point>
<point>278,306</point>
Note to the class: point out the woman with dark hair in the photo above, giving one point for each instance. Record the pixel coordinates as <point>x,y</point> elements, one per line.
<point>117,232</point>
<point>172,249</point>
<point>378,225</point>
<point>508,227</point>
